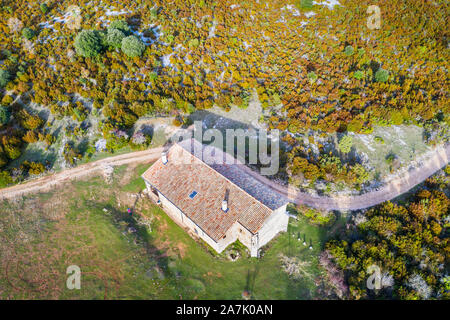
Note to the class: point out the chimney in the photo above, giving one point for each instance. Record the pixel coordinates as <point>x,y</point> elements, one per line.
<point>225,205</point>
<point>164,157</point>
<point>225,200</point>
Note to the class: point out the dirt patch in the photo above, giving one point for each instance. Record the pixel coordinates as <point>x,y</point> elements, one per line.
<point>126,199</point>
<point>163,226</point>
<point>129,174</point>
<point>181,247</point>
<point>211,276</point>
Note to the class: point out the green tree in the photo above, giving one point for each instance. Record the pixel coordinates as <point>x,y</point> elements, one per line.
<point>132,46</point>
<point>27,33</point>
<point>114,37</point>
<point>381,75</point>
<point>5,76</point>
<point>121,25</point>
<point>4,115</point>
<point>88,44</point>
<point>44,8</point>
<point>194,43</point>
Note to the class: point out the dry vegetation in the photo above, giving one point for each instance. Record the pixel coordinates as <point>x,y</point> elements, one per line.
<point>324,66</point>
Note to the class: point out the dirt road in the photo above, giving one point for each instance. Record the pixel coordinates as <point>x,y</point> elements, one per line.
<point>392,189</point>
<point>397,186</point>
<point>47,182</point>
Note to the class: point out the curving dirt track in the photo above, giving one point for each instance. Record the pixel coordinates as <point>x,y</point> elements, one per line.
<point>47,182</point>
<point>397,186</point>
<point>392,189</point>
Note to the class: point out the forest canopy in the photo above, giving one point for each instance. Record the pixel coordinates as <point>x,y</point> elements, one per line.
<point>409,244</point>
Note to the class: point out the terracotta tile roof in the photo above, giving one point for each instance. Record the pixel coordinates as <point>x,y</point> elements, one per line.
<point>231,168</point>
<point>185,173</point>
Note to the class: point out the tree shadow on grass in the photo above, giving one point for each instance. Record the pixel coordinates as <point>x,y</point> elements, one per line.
<point>251,279</point>
<point>140,233</point>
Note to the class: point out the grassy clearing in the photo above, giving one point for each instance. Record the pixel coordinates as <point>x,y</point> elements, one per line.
<point>405,142</point>
<point>123,257</point>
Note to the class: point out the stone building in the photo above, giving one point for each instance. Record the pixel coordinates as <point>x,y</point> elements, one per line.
<point>219,202</point>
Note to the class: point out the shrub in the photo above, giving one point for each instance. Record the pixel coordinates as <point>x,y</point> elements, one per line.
<point>33,168</point>
<point>381,75</point>
<point>349,50</point>
<point>7,100</point>
<point>355,125</point>
<point>194,43</point>
<point>49,139</point>
<point>177,122</point>
<point>379,139</point>
<point>358,75</point>
<point>361,173</point>
<point>30,137</point>
<point>114,38</point>
<point>121,25</point>
<point>4,115</point>
<point>12,151</point>
<point>447,170</point>
<point>390,158</point>
<point>116,139</point>
<point>345,144</point>
<point>27,33</point>
<point>132,46</point>
<point>315,216</point>
<point>5,76</point>
<point>44,8</point>
<point>5,179</point>
<point>29,121</point>
<point>305,4</point>
<point>71,155</point>
<point>396,117</point>
<point>3,160</point>
<point>312,77</point>
<point>88,43</point>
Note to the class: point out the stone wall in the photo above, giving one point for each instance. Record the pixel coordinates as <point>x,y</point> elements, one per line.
<point>179,217</point>
<point>276,223</point>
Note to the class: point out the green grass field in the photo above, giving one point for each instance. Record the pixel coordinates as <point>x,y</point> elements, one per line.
<point>146,256</point>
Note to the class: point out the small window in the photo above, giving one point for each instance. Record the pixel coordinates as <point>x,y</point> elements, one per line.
<point>193,194</point>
